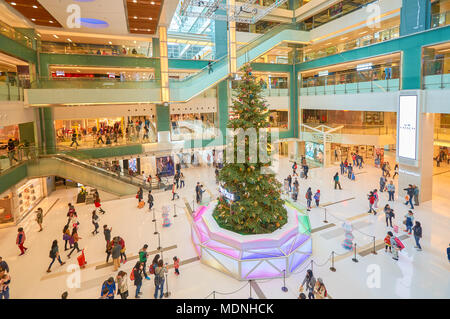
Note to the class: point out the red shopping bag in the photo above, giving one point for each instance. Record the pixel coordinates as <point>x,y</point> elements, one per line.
<point>97,204</point>
<point>81,260</point>
<point>395,228</point>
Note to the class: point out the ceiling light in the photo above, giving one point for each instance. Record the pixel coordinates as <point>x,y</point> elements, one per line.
<point>51,21</point>
<point>363,32</point>
<point>150,18</point>
<point>135,29</point>
<point>134,41</point>
<point>13,3</point>
<point>110,42</point>
<point>35,6</point>
<point>56,36</point>
<point>135,1</point>
<point>148,30</point>
<point>135,17</point>
<point>33,19</point>
<point>69,40</point>
<point>153,2</point>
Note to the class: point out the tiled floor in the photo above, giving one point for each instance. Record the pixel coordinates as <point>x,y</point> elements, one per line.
<point>422,274</point>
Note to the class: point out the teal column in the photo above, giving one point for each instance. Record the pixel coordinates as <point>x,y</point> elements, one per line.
<point>155,47</point>
<point>293,102</point>
<point>162,118</point>
<point>415,16</point>
<point>294,4</point>
<point>411,67</point>
<point>221,35</point>
<point>222,99</point>
<point>48,136</point>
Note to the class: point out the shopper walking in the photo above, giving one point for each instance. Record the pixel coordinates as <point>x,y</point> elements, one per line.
<point>108,251</point>
<point>11,151</point>
<point>371,203</point>
<point>140,195</point>
<point>416,195</point>
<point>39,218</point>
<point>389,214</point>
<point>294,169</point>
<point>308,199</point>
<point>66,237</point>
<point>336,181</point>
<point>417,229</point>
<point>74,238</point>
<point>309,283</point>
<point>210,69</point>
<point>107,233</point>
<point>137,275</point>
<point>123,256</point>
<point>54,254</point>
<point>409,221</point>
<point>382,183</point>
<point>182,180</point>
<point>97,202</point>
<point>394,245</point>
<point>159,278</point>
<point>174,193</point>
<point>109,286</point>
<point>317,198</point>
<point>342,168</point>
<point>150,200</point>
<point>391,190</point>
<point>115,253</point>
<point>387,243</point>
<point>122,284</point>
<point>289,180</point>
<point>176,265</point>
<point>305,171</point>
<point>143,254</point>
<point>95,222</point>
<point>20,241</point>
<point>409,196</point>
<point>74,139</point>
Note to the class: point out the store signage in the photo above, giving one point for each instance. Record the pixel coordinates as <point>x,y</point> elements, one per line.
<point>364,66</point>
<point>407,127</point>
<point>323,73</point>
<point>60,73</point>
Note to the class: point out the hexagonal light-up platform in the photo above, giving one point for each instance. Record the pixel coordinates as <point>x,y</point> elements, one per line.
<point>246,257</point>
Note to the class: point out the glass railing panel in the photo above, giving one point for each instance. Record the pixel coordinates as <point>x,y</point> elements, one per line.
<point>92,83</point>
<point>15,35</point>
<point>11,91</point>
<point>141,51</point>
<point>436,74</point>
<point>440,19</point>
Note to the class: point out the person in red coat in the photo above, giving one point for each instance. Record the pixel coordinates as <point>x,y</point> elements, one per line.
<point>123,256</point>
<point>20,241</point>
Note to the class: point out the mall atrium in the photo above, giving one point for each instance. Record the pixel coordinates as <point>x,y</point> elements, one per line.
<point>216,149</point>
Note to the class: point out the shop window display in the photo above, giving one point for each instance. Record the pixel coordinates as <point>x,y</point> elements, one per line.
<point>279,119</point>
<point>193,125</point>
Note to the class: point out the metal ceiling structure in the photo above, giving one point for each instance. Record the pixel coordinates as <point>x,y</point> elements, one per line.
<point>246,13</point>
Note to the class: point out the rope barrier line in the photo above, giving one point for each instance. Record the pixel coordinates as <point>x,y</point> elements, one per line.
<point>344,220</point>
<point>228,293</point>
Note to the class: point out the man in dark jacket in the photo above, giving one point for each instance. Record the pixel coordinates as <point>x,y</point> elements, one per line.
<point>4,265</point>
<point>410,192</point>
<point>137,272</point>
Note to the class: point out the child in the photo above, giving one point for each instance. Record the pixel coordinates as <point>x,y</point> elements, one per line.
<point>387,242</point>
<point>317,197</point>
<point>176,265</point>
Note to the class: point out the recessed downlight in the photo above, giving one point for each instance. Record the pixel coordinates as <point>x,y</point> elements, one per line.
<point>51,21</point>
<point>13,3</point>
<point>33,19</point>
<point>55,36</point>
<point>35,6</point>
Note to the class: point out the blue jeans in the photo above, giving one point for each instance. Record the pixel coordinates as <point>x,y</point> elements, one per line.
<point>4,294</point>
<point>409,227</point>
<point>138,289</point>
<point>53,260</point>
<point>308,203</point>
<point>410,202</point>
<point>417,238</point>
<point>391,196</point>
<point>159,287</point>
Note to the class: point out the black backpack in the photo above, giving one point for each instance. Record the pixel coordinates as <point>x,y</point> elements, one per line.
<point>52,254</point>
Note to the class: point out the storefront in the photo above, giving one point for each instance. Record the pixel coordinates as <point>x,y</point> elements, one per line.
<point>19,201</point>
<point>196,125</point>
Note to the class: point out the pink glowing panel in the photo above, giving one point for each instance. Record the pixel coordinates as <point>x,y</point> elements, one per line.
<point>198,213</point>
<point>196,243</point>
<point>225,249</point>
<point>262,253</point>
<point>264,270</point>
<point>286,248</point>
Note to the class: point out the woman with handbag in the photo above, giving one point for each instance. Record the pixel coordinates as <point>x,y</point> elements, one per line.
<point>74,238</point>
<point>122,284</point>
<point>310,283</point>
<point>140,195</point>
<point>123,256</point>
<point>95,222</point>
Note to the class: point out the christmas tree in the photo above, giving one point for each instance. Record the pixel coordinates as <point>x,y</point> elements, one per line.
<point>252,204</point>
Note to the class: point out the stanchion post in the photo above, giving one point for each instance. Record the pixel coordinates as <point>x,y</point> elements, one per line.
<point>374,248</point>
<point>214,294</point>
<point>325,220</point>
<point>312,261</point>
<point>167,293</point>
<point>354,258</point>
<point>332,262</point>
<point>156,230</point>
<point>174,210</point>
<point>154,218</point>
<point>250,285</point>
<point>159,242</point>
<point>284,288</point>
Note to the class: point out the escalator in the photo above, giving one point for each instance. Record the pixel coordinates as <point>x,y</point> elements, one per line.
<point>74,169</point>
<point>189,87</point>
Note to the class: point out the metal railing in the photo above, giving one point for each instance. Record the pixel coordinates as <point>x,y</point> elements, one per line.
<point>354,129</point>
<point>11,89</point>
<point>93,83</point>
<point>15,35</point>
<point>440,19</point>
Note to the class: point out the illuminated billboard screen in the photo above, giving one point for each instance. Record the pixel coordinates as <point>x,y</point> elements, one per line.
<point>407,127</point>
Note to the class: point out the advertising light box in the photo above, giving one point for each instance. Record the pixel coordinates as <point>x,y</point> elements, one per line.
<point>407,127</point>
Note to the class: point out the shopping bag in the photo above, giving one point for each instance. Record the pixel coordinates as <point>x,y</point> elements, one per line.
<point>97,204</point>
<point>399,243</point>
<point>81,260</point>
<point>395,228</point>
<point>141,204</point>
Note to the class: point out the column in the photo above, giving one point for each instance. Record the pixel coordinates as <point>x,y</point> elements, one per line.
<point>47,127</point>
<point>415,16</point>
<point>232,40</point>
<point>418,171</point>
<point>163,123</point>
<point>220,35</point>
<point>164,64</point>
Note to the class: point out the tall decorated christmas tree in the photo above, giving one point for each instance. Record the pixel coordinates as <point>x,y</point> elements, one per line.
<point>250,201</point>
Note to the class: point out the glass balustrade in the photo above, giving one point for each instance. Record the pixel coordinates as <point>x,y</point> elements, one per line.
<point>440,19</point>
<point>11,89</point>
<point>15,35</point>
<point>382,79</point>
<point>442,132</point>
<point>94,83</point>
<point>353,129</point>
<point>143,50</point>
<point>436,74</point>
<point>309,53</point>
